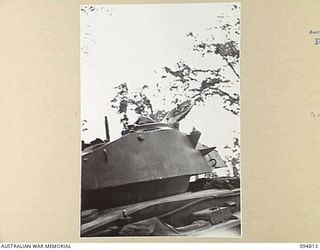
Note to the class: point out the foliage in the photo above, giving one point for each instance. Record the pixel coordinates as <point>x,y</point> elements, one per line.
<point>136,101</point>
<point>199,84</point>
<point>187,82</point>
<point>83,125</point>
<point>233,157</point>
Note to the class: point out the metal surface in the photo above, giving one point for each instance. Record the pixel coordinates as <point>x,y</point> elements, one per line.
<point>106,124</point>
<point>194,137</point>
<point>213,157</point>
<point>206,151</point>
<point>178,113</point>
<point>158,207</point>
<point>139,157</point>
<point>133,192</point>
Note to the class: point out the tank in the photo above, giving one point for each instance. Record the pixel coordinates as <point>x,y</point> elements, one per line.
<point>141,185</point>
<point>152,161</point>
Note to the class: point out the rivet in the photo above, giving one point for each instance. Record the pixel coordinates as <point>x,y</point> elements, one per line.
<point>105,154</point>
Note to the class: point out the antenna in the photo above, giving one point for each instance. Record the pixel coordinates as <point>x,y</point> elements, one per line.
<point>106,124</point>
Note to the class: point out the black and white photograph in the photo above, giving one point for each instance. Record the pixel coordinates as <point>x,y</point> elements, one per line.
<point>160,120</point>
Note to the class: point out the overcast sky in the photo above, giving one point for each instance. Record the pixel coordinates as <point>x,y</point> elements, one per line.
<point>132,44</point>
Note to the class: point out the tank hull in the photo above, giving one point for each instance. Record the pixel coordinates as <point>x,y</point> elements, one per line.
<point>133,193</point>
<point>139,166</point>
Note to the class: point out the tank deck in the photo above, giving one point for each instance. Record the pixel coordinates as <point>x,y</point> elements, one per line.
<point>109,216</point>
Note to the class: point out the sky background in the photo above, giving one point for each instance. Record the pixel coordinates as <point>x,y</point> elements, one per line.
<point>132,44</point>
